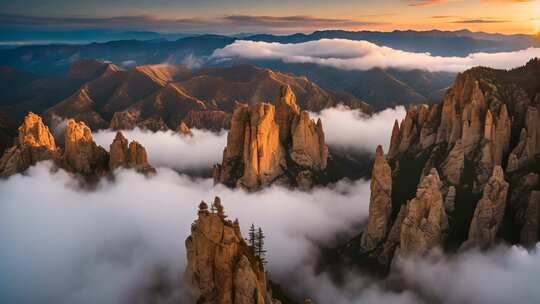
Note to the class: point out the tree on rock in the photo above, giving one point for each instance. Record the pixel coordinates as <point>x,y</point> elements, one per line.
<point>260,252</point>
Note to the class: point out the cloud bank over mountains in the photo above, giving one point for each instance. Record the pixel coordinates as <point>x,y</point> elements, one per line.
<point>111,244</point>
<point>363,55</point>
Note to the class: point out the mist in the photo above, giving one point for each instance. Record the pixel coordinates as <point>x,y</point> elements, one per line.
<point>68,245</point>
<point>108,245</point>
<point>363,55</point>
<point>344,128</point>
<point>352,129</point>
<point>170,149</point>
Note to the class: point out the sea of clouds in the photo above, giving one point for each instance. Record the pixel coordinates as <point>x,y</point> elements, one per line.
<point>65,244</point>
<point>364,55</point>
<point>344,128</point>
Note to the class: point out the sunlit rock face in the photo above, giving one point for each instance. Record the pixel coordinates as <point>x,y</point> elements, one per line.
<point>34,143</point>
<point>81,155</point>
<point>221,268</point>
<point>380,203</point>
<point>273,144</point>
<point>482,141</point>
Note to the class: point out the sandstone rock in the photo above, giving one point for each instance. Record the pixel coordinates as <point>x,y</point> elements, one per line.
<point>426,223</point>
<point>81,153</point>
<point>408,129</point>
<point>220,266</point>
<point>262,142</point>
<point>184,130</point>
<point>380,204</point>
<point>263,154</point>
<point>308,146</point>
<point>394,141</point>
<point>489,212</point>
<point>138,159</point>
<point>34,143</point>
<point>132,156</point>
<point>452,167</point>
<point>118,152</point>
<point>286,111</point>
<point>393,238</point>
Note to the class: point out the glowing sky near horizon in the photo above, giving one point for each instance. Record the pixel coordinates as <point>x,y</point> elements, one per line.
<point>279,16</point>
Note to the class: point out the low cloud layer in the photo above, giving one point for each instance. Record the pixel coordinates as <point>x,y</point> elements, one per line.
<point>352,129</point>
<point>363,55</point>
<point>502,275</point>
<point>61,244</point>
<point>344,128</point>
<point>169,149</point>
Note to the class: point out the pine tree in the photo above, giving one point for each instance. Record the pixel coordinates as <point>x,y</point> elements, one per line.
<point>251,237</point>
<point>259,246</point>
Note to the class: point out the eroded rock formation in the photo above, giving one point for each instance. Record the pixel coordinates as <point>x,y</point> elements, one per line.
<point>221,268</point>
<point>33,144</point>
<point>489,212</point>
<point>488,120</point>
<point>425,224</point>
<point>380,203</point>
<point>81,155</point>
<point>132,156</point>
<point>268,144</point>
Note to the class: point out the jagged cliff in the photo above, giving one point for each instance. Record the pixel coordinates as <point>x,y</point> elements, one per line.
<point>33,144</point>
<point>268,144</point>
<point>80,154</point>
<point>448,186</point>
<point>221,268</point>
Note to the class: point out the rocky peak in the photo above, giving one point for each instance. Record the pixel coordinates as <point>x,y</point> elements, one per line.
<point>286,110</point>
<point>81,153</point>
<point>489,213</point>
<point>183,129</point>
<point>380,203</point>
<point>488,119</point>
<point>264,139</point>
<point>133,155</point>
<point>425,224</point>
<point>34,143</point>
<point>34,133</point>
<point>221,268</point>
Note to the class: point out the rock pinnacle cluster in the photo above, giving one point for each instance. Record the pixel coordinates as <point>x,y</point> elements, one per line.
<point>273,144</point>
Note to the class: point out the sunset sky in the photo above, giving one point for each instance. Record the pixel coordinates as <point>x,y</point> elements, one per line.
<point>278,16</point>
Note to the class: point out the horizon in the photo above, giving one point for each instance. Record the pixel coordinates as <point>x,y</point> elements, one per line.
<point>490,16</point>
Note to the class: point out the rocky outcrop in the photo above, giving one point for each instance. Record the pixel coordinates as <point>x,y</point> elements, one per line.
<point>184,130</point>
<point>33,144</point>
<point>426,224</point>
<point>132,156</point>
<point>380,203</point>
<point>488,120</point>
<point>268,144</point>
<point>221,268</point>
<point>489,212</point>
<point>81,155</point>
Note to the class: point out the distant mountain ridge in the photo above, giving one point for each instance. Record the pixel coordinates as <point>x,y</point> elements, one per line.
<point>160,96</point>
